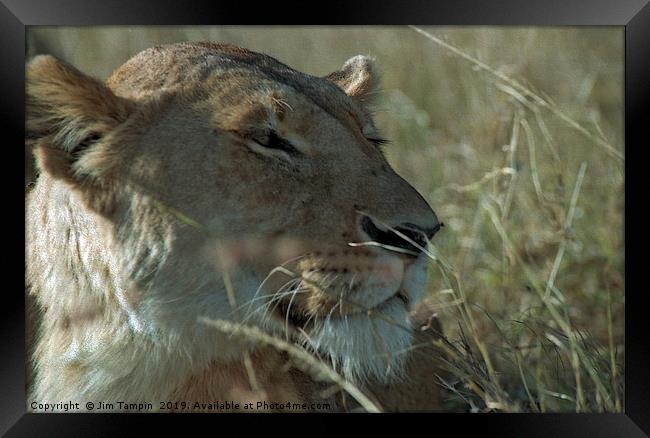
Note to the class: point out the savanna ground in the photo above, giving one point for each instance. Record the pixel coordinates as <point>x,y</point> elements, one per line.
<point>515,137</point>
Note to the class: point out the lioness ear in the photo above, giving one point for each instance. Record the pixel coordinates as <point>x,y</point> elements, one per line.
<point>358,77</point>
<point>67,112</point>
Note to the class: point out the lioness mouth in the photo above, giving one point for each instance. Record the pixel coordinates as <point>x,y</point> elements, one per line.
<point>296,318</point>
<point>299,319</point>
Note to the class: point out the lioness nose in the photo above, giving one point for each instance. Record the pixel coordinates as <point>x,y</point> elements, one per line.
<point>406,235</point>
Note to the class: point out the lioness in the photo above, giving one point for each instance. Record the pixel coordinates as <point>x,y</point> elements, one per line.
<point>207,182</point>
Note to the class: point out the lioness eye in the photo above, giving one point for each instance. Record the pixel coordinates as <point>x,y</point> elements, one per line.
<point>274,141</point>
<point>377,141</point>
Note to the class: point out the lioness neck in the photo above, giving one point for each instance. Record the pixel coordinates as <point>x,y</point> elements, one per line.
<point>90,341</point>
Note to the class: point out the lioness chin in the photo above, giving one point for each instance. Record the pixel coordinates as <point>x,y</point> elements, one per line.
<point>207,182</point>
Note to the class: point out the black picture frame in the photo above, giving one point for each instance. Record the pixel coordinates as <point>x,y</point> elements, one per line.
<point>634,15</point>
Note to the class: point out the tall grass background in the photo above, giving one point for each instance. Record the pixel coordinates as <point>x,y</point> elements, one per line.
<point>515,137</point>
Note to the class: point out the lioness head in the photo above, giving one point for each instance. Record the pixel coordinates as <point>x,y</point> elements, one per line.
<point>204,180</point>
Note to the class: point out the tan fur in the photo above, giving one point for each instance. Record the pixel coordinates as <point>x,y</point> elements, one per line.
<point>273,376</point>
<point>159,195</point>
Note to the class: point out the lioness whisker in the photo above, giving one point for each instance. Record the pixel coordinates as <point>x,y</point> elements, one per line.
<point>260,297</point>
<point>384,246</point>
<point>265,309</point>
<point>286,317</point>
<point>276,297</point>
<point>280,269</point>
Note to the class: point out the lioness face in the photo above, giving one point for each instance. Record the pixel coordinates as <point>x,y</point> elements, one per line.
<point>278,185</point>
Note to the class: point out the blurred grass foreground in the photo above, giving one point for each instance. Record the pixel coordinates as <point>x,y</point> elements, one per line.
<point>515,137</point>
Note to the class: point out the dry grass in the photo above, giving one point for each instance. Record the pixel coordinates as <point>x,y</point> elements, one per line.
<point>515,137</point>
